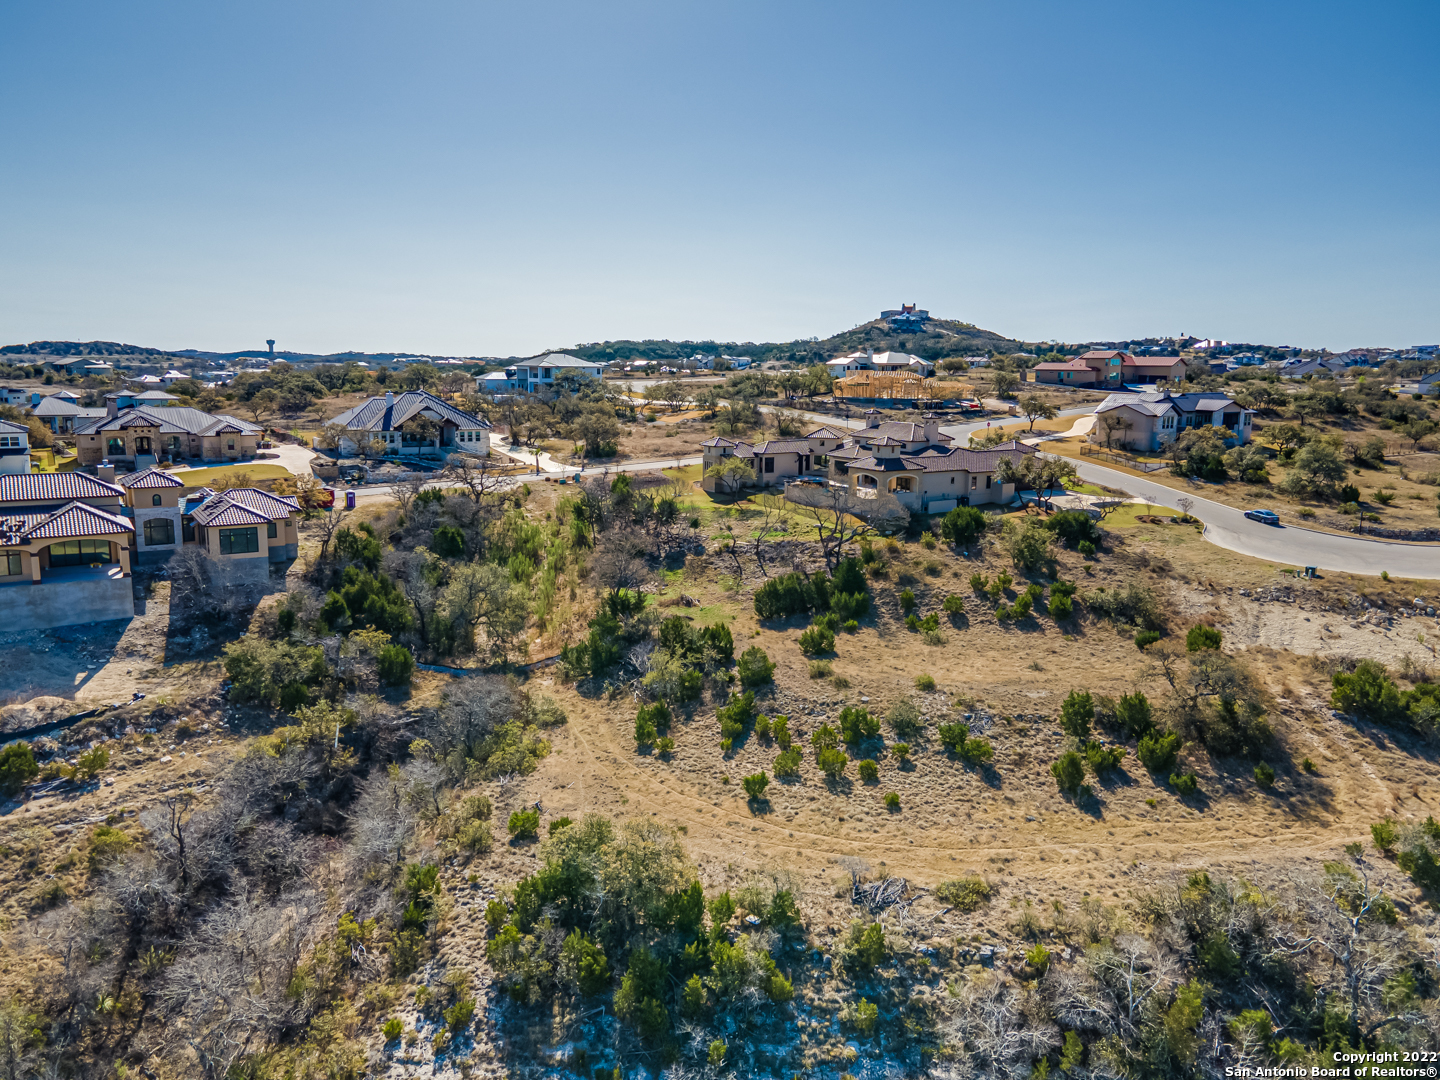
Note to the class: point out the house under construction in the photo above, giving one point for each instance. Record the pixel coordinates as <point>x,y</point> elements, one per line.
<point>898,386</point>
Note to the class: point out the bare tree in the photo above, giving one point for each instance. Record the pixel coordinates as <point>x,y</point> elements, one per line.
<point>407,491</point>
<point>841,517</point>
<point>1113,423</point>
<point>481,478</point>
<point>771,519</point>
<point>326,528</point>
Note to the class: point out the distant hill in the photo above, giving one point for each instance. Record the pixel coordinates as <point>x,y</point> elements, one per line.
<point>940,338</point>
<point>80,348</point>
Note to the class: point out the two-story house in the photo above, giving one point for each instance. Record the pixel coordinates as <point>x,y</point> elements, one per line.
<point>539,372</point>
<point>145,435</point>
<point>14,447</point>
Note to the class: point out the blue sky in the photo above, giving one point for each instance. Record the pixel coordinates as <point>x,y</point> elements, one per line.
<point>486,178</point>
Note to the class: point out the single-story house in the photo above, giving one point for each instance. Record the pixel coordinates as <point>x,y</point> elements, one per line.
<point>396,421</point>
<point>870,360</point>
<point>1153,369</point>
<point>934,481</point>
<point>144,434</point>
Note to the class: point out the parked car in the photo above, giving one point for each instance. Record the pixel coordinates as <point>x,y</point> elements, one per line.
<point>1265,517</point>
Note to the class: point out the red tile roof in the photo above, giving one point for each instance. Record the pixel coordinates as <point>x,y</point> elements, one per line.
<point>77,519</point>
<point>54,487</point>
<point>220,511</point>
<point>149,478</point>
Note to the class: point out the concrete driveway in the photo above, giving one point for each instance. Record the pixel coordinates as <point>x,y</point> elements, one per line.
<point>1289,545</point>
<point>290,456</point>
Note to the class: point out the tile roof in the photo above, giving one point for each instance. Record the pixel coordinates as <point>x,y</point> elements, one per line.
<point>782,446</point>
<point>1103,354</point>
<point>274,507</point>
<point>376,414</point>
<point>827,433</point>
<point>220,511</point>
<point>1068,365</point>
<point>150,478</point>
<point>54,487</point>
<point>75,519</point>
<point>560,360</point>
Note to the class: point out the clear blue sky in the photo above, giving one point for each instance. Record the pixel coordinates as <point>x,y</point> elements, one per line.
<point>497,178</point>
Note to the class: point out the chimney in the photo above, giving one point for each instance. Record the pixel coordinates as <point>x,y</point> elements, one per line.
<point>105,471</point>
<point>872,418</point>
<point>389,399</point>
<point>112,407</point>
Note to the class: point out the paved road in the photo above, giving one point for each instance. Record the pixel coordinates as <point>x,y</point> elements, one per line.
<point>1289,545</point>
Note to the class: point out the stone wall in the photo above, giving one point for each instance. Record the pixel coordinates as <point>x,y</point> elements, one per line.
<point>66,603</point>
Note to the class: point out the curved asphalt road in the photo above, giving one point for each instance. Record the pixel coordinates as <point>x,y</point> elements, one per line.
<point>1229,528</point>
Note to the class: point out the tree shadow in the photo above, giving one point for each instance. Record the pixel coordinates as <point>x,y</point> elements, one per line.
<point>759,805</point>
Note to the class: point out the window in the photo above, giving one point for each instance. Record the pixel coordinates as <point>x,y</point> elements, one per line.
<point>952,481</point>
<point>79,552</point>
<point>115,447</point>
<point>159,532</point>
<point>239,541</point>
<point>187,530</point>
<point>154,500</point>
<point>10,442</point>
<point>230,444</point>
<point>270,531</point>
<point>974,482</point>
<point>11,566</point>
<point>987,481</point>
<point>769,464</point>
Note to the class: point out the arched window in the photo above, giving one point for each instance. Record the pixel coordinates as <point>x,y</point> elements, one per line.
<point>154,500</point>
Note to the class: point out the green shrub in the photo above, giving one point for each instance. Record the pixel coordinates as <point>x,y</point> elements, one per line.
<point>849,578</point>
<point>1145,638</point>
<point>1085,547</point>
<point>787,594</point>
<point>1073,526</point>
<point>17,768</point>
<point>1201,636</point>
<point>788,762</point>
<point>1061,608</point>
<point>780,731</point>
<point>755,785</point>
<point>1158,751</point>
<point>1076,713</point>
<point>1022,606</point>
<point>912,623</point>
<point>979,582</point>
<point>1385,833</point>
<point>900,751</point>
<point>665,745</point>
<point>821,669</point>
<point>755,667</point>
<point>857,725</point>
<point>763,726</point>
<point>719,641</point>
<point>523,823</point>
<point>716,1053</point>
<point>832,762</point>
<point>953,736</point>
<point>964,894</point>
<point>925,683</point>
<point>869,771</point>
<point>848,607</point>
<point>1185,783</point>
<point>892,800</point>
<point>963,525</point>
<point>459,1015</point>
<point>1368,693</point>
<point>496,915</point>
<point>89,765</point>
<point>930,624</point>
<point>817,639</point>
<point>736,714</point>
<point>1102,759</point>
<point>903,718</point>
<point>558,824</point>
<point>1038,957</point>
<point>658,714</point>
<point>1069,772</point>
<point>907,601</point>
<point>953,604</point>
<point>976,750</point>
<point>1264,775</point>
<point>1133,713</point>
<point>645,732</point>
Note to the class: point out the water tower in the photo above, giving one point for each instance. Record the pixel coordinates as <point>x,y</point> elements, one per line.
<point>271,343</point>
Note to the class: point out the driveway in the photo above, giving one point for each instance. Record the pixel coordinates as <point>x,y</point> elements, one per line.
<point>290,456</point>
<point>1289,545</point>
